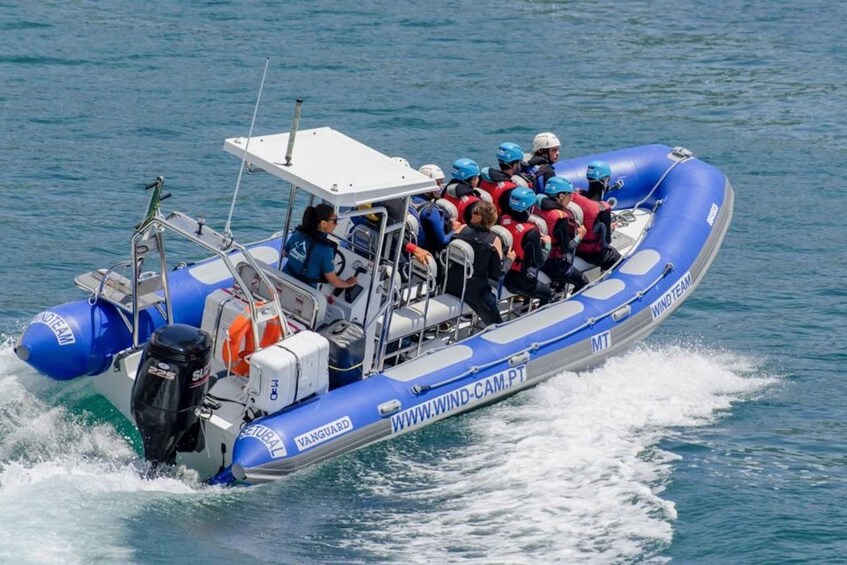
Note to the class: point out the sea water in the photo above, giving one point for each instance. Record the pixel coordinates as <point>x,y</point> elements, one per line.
<point>720,439</point>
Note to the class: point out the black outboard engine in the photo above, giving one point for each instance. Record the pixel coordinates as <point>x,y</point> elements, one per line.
<point>171,383</point>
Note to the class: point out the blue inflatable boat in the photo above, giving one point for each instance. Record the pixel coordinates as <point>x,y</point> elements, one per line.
<point>234,368</point>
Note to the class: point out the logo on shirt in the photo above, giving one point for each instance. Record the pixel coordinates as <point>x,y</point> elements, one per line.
<point>299,252</point>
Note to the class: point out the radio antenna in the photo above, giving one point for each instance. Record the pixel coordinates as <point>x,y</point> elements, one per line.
<point>246,147</point>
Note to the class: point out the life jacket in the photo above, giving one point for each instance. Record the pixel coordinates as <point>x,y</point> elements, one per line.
<point>518,231</point>
<point>594,214</point>
<point>499,185</point>
<point>539,169</point>
<point>482,242</point>
<point>464,205</point>
<point>312,242</point>
<point>551,217</point>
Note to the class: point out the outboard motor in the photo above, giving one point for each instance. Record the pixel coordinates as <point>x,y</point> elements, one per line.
<point>171,383</point>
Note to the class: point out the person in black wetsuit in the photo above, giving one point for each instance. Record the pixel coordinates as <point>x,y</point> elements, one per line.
<point>545,152</point>
<point>487,265</point>
<point>599,176</point>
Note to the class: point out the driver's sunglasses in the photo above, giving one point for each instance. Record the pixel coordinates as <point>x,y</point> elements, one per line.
<point>333,220</point>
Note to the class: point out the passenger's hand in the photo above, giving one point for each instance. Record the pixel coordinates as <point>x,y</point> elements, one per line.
<point>580,231</point>
<point>422,255</point>
<point>457,225</point>
<point>546,240</point>
<point>511,254</point>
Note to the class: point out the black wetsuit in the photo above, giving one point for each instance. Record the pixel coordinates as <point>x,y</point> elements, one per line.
<point>479,294</point>
<point>596,190</point>
<point>542,170</point>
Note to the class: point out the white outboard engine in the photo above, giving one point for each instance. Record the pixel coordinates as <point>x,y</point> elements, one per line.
<point>171,384</point>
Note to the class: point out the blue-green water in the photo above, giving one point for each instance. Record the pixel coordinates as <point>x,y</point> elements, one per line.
<point>722,439</point>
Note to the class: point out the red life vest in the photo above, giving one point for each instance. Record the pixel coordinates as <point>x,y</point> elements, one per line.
<point>496,190</point>
<point>518,231</point>
<point>551,217</point>
<point>591,243</point>
<point>462,203</point>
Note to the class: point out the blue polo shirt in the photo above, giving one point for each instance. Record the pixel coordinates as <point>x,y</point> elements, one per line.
<point>319,261</point>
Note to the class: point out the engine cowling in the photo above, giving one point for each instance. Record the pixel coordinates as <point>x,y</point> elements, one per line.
<point>171,384</point>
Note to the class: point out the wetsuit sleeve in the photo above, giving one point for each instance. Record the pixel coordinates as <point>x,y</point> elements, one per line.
<point>436,222</point>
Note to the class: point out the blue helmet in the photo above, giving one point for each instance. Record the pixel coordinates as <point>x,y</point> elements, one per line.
<point>509,152</point>
<point>557,185</point>
<point>521,199</point>
<point>598,170</point>
<point>464,168</point>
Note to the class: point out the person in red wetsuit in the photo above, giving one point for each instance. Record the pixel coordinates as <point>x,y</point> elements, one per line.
<point>595,247</point>
<point>499,182</point>
<point>565,232</point>
<point>462,188</point>
<point>529,247</point>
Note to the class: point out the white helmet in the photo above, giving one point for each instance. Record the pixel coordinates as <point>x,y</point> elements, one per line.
<point>432,171</point>
<point>402,161</point>
<point>545,140</point>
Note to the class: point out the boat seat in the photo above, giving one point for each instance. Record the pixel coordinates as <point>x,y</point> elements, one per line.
<point>504,235</point>
<point>305,303</point>
<point>539,223</point>
<point>448,207</point>
<point>108,285</point>
<point>413,227</point>
<point>364,240</point>
<point>410,320</point>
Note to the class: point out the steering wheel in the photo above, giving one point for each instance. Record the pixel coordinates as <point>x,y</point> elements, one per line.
<point>339,261</point>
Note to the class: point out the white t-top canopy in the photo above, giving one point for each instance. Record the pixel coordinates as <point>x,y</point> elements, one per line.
<point>332,166</point>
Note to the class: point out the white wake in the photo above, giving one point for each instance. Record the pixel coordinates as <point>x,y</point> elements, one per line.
<point>64,483</point>
<point>570,470</point>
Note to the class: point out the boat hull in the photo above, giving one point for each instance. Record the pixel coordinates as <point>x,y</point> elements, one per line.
<point>689,226</point>
<point>692,204</point>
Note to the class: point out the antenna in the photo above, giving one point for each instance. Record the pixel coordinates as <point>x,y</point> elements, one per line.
<point>246,147</point>
<point>294,125</point>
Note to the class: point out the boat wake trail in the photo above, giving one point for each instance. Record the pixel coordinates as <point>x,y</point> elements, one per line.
<point>570,470</point>
<point>63,480</point>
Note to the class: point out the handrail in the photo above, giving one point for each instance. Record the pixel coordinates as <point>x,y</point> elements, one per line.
<point>159,223</point>
<point>683,155</point>
<point>96,294</point>
<point>418,389</point>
